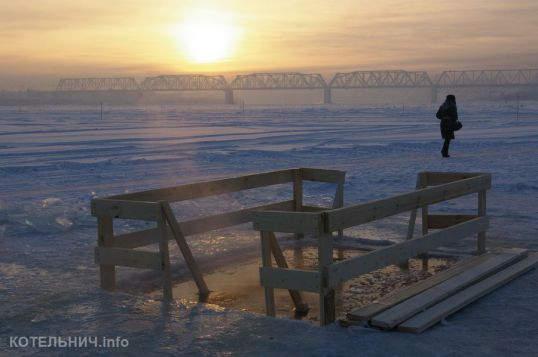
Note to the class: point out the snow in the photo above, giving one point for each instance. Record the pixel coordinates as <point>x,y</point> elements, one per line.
<point>53,160</point>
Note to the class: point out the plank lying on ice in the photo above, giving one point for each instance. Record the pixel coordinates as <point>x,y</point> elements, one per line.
<point>408,308</point>
<point>365,313</point>
<point>436,313</point>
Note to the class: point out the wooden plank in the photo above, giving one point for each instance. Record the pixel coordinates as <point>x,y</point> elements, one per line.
<point>327,303</point>
<point>370,211</point>
<point>165,255</point>
<point>298,195</point>
<point>367,312</point>
<point>137,239</point>
<point>210,188</point>
<point>185,250</point>
<point>128,258</point>
<point>195,226</point>
<point>287,222</point>
<point>433,178</point>
<point>481,237</point>
<point>147,211</point>
<point>447,307</point>
<point>323,175</point>
<point>350,268</point>
<point>280,260</point>
<point>291,279</point>
<point>439,221</point>
<point>267,264</point>
<point>388,319</point>
<point>313,208</point>
<point>209,223</point>
<point>105,235</point>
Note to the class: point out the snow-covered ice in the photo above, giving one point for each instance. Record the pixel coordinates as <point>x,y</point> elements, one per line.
<point>53,160</point>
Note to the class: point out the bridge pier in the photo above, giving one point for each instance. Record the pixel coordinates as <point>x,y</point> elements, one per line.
<point>229,96</point>
<point>327,99</point>
<point>434,94</point>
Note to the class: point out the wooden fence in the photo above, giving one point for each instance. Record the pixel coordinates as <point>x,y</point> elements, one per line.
<point>154,205</point>
<point>432,188</point>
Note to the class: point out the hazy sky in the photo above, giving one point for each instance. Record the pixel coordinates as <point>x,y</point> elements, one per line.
<point>42,40</point>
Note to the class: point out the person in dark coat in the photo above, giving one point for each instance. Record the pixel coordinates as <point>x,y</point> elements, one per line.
<point>448,114</point>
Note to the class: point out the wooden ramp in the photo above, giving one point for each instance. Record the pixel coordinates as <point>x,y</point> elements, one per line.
<point>422,305</point>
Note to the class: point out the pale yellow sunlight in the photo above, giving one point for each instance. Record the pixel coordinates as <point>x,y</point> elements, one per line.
<point>206,35</point>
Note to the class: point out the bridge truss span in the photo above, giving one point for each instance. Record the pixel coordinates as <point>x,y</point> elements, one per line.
<point>381,79</point>
<point>289,80</point>
<point>489,78</point>
<point>97,84</point>
<point>184,82</point>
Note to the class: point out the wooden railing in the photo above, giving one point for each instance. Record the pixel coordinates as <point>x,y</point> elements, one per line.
<point>154,205</point>
<point>432,188</point>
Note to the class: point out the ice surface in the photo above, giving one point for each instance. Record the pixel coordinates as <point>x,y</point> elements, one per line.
<point>53,160</point>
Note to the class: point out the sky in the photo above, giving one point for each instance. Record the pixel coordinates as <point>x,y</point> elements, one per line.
<point>44,40</point>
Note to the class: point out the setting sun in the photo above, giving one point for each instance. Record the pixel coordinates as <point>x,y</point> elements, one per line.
<point>207,36</point>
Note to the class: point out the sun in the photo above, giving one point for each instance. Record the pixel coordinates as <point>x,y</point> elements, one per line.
<point>207,36</point>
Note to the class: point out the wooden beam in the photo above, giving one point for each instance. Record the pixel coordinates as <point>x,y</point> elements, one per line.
<point>481,238</point>
<point>447,307</point>
<point>367,312</point>
<point>410,307</point>
<point>209,223</point>
<point>165,255</point>
<point>287,222</point>
<point>280,260</point>
<point>439,178</point>
<point>322,175</point>
<point>185,250</point>
<point>147,211</point>
<point>196,226</point>
<point>128,258</point>
<point>366,212</point>
<point>298,195</point>
<point>291,279</point>
<point>267,263</point>
<point>210,188</point>
<point>439,221</point>
<point>105,235</point>
<point>350,268</point>
<point>327,300</point>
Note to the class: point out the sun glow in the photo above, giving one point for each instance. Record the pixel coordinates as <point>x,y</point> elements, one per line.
<point>207,36</point>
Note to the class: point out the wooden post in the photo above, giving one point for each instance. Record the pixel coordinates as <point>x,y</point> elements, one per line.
<point>411,228</point>
<point>300,306</point>
<point>266,262</point>
<point>105,232</point>
<point>423,183</point>
<point>185,251</point>
<point>298,194</point>
<point>339,202</point>
<point>165,255</point>
<point>481,237</point>
<point>327,306</point>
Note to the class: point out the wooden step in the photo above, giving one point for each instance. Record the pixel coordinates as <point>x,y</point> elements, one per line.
<point>436,313</point>
<point>367,312</point>
<point>408,308</point>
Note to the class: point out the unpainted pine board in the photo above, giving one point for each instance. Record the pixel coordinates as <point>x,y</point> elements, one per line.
<point>440,178</point>
<point>185,250</point>
<point>366,312</point>
<point>370,211</point>
<point>210,188</point>
<point>148,211</point>
<point>280,260</point>
<point>439,221</point>
<point>394,254</point>
<point>287,222</point>
<point>436,313</point>
<point>128,257</point>
<point>323,175</point>
<point>388,319</point>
